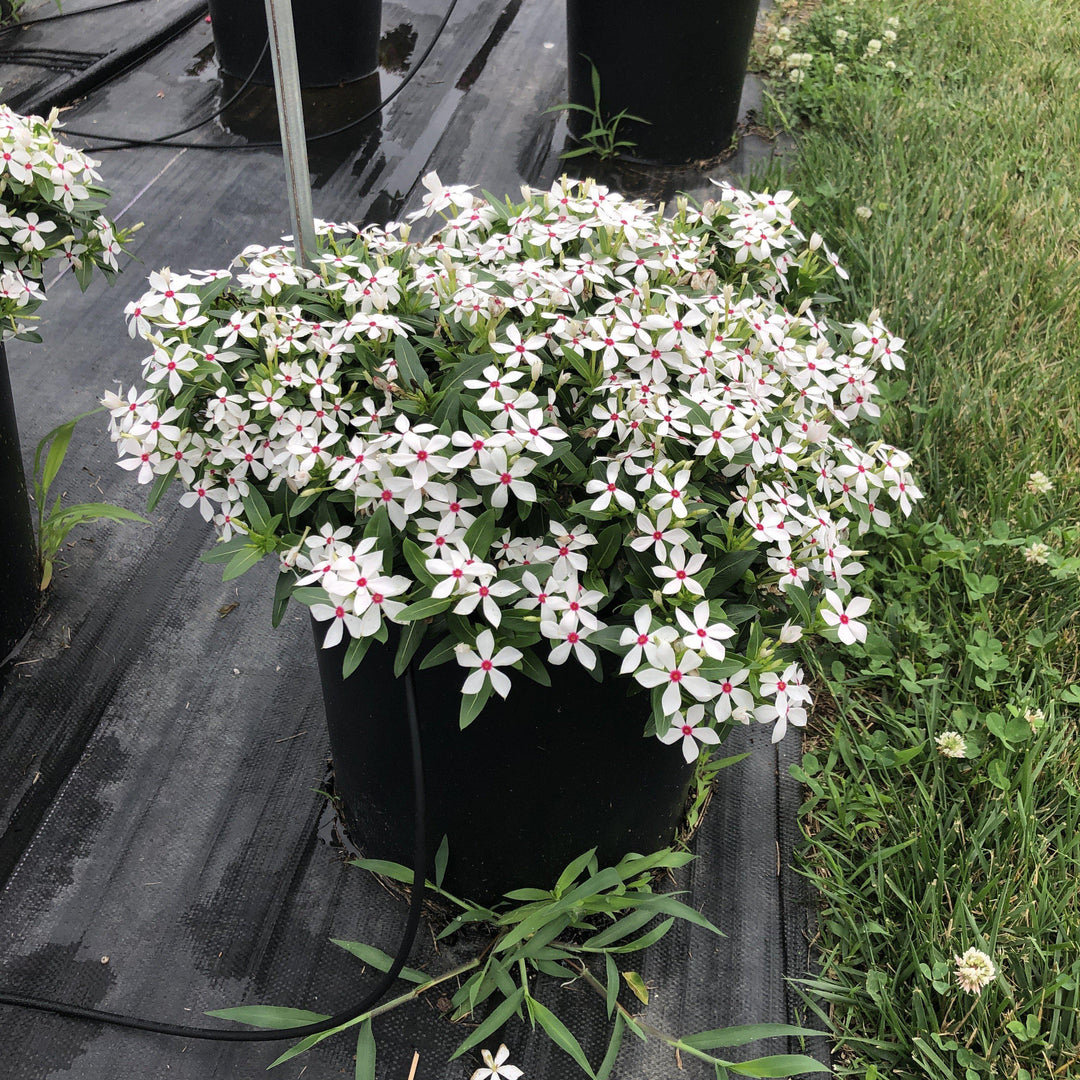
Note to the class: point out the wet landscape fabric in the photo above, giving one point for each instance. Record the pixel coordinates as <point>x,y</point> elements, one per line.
<point>163,753</point>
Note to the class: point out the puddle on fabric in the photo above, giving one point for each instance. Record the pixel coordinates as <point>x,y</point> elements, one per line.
<point>204,64</point>
<point>396,49</point>
<point>333,120</point>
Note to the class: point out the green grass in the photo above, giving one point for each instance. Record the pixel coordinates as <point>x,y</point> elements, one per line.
<point>966,154</point>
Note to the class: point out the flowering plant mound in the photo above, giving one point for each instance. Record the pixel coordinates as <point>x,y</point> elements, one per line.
<point>559,426</point>
<point>49,208</point>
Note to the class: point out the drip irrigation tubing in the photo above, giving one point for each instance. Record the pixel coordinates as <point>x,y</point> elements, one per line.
<point>303,1031</point>
<point>170,140</point>
<point>67,15</point>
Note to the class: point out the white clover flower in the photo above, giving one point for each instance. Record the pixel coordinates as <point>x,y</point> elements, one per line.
<point>1037,554</point>
<point>796,75</point>
<point>951,744</point>
<point>1035,718</point>
<point>776,51</point>
<point>873,47</point>
<point>840,69</point>
<point>863,213</point>
<point>890,64</point>
<point>889,36</point>
<point>783,33</point>
<point>1038,483</point>
<point>893,22</point>
<point>974,971</point>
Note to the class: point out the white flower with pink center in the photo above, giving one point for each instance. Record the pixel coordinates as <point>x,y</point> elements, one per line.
<point>690,731</point>
<point>496,472</point>
<point>486,664</point>
<point>680,571</point>
<point>570,636</point>
<point>702,633</point>
<point>845,619</point>
<point>676,675</point>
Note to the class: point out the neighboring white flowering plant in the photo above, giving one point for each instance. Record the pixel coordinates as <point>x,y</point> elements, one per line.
<point>50,208</point>
<point>560,427</point>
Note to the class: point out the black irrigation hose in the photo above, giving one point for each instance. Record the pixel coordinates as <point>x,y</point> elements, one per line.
<point>415,905</point>
<point>273,144</point>
<point>67,15</point>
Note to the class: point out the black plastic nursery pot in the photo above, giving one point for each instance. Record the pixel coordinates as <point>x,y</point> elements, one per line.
<point>533,782</point>
<point>18,550</point>
<point>680,66</point>
<point>337,41</point>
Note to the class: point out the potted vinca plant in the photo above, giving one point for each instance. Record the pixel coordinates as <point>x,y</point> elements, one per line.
<point>50,213</point>
<point>589,468</point>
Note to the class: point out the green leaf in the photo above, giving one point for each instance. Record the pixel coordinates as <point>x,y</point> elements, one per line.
<point>441,858</point>
<point>157,489</point>
<point>224,551</point>
<point>411,637</point>
<point>439,654</point>
<point>71,516</point>
<point>386,868</point>
<point>269,1016</point>
<point>356,651</point>
<point>534,667</point>
<point>614,1046</point>
<point>643,942</point>
<point>493,1022</point>
<point>379,960</point>
<point>633,864</point>
<point>380,526</point>
<point>257,512</point>
<point>624,927</point>
<point>527,894</point>
<point>302,502</point>
<point>572,871</point>
<point>472,704</point>
<point>365,1052</point>
<point>998,775</point>
<point>242,562</point>
<point>417,561</point>
<point>480,534</point>
<point>426,608</point>
<point>729,569</point>
<point>307,1043</point>
<point>410,369</point>
<point>560,1035</point>
<point>637,985</point>
<point>607,546</point>
<point>612,974</point>
<point>779,1065</point>
<point>668,905</point>
<point>742,1034</point>
<point>797,595</point>
<point>608,638</point>
<point>283,588</point>
<point>60,438</point>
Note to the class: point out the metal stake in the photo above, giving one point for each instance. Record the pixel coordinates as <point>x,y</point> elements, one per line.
<point>291,124</point>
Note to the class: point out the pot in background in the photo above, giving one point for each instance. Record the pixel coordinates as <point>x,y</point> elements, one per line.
<point>337,41</point>
<point>679,65</point>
